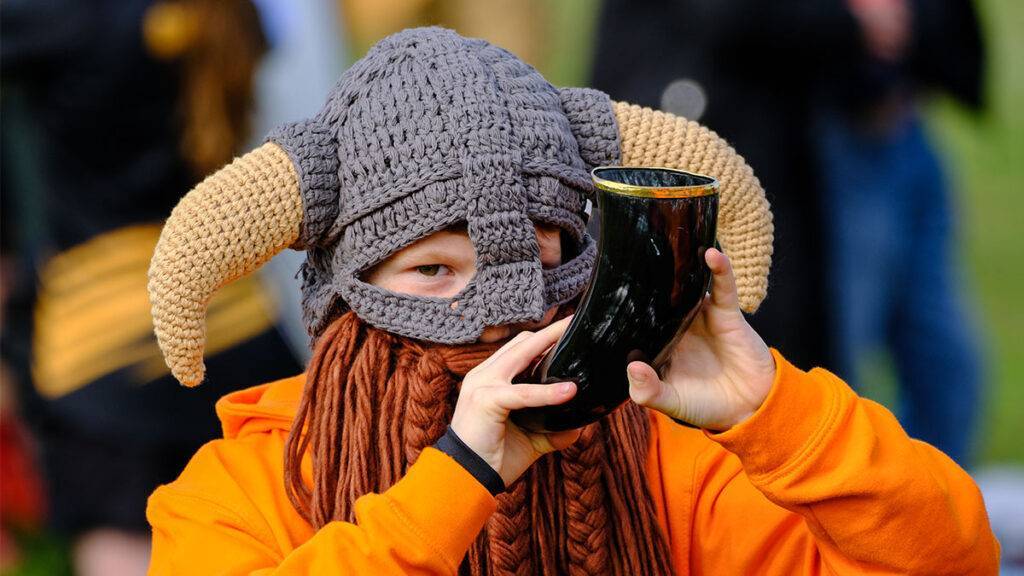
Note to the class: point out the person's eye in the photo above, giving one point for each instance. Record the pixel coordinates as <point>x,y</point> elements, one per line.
<point>431,269</point>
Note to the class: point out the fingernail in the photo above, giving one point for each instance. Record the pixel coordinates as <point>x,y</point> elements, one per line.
<point>565,388</point>
<point>632,381</point>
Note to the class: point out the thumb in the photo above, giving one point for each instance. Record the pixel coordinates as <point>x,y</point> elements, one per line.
<point>647,389</point>
<point>723,290</point>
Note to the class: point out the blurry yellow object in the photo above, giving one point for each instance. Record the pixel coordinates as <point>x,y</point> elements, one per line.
<point>216,45</point>
<point>169,29</point>
<point>519,26</point>
<point>92,315</point>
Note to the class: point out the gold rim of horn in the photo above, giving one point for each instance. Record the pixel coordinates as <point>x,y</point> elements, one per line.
<point>707,188</point>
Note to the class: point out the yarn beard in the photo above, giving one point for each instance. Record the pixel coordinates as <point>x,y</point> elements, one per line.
<point>373,401</point>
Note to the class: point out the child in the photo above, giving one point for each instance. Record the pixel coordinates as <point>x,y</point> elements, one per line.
<point>440,196</point>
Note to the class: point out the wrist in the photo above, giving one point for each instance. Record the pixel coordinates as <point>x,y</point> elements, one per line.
<point>791,423</point>
<point>453,446</point>
<point>762,383</point>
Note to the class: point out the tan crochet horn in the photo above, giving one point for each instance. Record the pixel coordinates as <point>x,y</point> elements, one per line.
<point>240,217</point>
<point>745,230</point>
<point>226,227</point>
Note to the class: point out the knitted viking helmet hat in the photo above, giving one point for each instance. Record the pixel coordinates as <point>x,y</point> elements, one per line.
<point>429,130</point>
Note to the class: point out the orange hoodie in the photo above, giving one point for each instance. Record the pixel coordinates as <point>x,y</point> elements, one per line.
<point>816,481</point>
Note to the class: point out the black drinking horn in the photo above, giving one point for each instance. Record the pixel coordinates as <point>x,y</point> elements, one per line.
<point>647,286</point>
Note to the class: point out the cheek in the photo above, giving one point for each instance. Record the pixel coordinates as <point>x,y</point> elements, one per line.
<point>493,334</point>
<point>550,249</point>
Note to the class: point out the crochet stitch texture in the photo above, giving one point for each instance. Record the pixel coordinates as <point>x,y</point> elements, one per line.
<point>429,130</point>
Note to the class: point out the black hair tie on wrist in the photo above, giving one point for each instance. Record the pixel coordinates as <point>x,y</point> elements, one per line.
<point>453,446</point>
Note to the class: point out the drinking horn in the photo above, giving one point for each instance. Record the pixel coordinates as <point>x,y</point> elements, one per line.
<point>239,217</point>
<point>647,286</point>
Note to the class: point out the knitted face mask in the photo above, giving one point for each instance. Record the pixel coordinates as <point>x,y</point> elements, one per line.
<point>428,130</point>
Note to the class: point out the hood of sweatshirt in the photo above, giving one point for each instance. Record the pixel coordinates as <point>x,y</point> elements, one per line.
<point>261,408</point>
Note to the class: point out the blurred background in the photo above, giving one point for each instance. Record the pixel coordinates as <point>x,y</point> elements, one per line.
<point>889,135</point>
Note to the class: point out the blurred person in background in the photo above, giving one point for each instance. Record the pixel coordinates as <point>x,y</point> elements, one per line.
<point>520,25</point>
<point>890,214</point>
<point>749,71</point>
<point>860,208</point>
<point>119,107</point>
<point>21,499</point>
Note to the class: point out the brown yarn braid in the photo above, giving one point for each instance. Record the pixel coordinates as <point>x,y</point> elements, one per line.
<point>374,401</point>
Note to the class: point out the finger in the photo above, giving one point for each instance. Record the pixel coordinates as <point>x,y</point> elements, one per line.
<point>723,288</point>
<point>520,354</point>
<point>515,396</point>
<point>647,389</point>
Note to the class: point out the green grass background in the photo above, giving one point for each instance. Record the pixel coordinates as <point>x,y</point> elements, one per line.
<point>985,159</point>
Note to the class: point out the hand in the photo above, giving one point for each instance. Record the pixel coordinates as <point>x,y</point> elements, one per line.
<point>720,372</point>
<point>885,26</point>
<point>487,397</point>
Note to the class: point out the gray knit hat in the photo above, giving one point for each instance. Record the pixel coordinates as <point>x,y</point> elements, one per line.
<point>428,130</point>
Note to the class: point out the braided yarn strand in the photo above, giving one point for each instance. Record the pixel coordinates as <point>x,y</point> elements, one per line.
<point>428,409</point>
<point>585,510</point>
<point>589,534</point>
<point>745,230</point>
<point>510,546</point>
<point>226,227</point>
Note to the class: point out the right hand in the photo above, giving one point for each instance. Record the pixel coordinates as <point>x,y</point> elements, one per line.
<point>488,395</point>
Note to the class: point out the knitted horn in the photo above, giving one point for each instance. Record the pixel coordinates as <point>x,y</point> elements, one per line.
<point>745,230</point>
<point>226,227</point>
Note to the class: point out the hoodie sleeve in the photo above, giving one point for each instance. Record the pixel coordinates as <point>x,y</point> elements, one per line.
<point>422,525</point>
<point>830,483</point>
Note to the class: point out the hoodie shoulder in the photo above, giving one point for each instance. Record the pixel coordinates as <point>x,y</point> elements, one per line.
<point>236,484</point>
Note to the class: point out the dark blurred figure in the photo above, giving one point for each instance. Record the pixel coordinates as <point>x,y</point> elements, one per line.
<point>749,70</point>
<point>112,110</point>
<point>894,279</point>
<point>819,97</point>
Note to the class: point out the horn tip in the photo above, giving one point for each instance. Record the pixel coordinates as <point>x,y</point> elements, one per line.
<point>190,377</point>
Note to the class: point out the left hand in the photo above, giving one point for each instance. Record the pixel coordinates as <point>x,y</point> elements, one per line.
<point>720,371</point>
